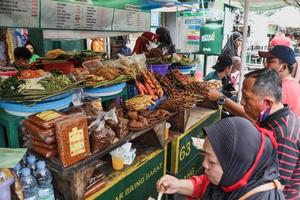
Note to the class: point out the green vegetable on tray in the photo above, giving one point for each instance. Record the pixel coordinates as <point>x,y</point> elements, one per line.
<point>55,82</point>
<point>53,85</point>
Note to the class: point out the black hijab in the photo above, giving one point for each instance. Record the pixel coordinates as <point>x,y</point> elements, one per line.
<point>229,47</point>
<point>165,40</point>
<point>236,142</point>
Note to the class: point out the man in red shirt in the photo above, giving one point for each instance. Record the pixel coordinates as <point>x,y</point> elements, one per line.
<point>281,59</point>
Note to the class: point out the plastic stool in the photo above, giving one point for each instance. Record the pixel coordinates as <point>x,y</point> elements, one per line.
<point>10,125</point>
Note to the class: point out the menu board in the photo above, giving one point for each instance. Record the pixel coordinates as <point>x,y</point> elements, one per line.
<point>63,15</point>
<point>23,13</point>
<point>71,15</point>
<point>127,20</point>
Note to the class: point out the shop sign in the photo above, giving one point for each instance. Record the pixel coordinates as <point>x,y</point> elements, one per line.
<point>186,148</point>
<point>23,13</point>
<point>192,168</point>
<point>139,184</point>
<point>182,150</point>
<point>211,38</point>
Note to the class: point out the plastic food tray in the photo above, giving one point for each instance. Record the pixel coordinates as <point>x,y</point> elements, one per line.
<point>104,91</point>
<point>59,96</point>
<point>25,110</point>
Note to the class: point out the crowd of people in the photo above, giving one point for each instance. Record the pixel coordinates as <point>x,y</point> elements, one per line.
<point>254,153</point>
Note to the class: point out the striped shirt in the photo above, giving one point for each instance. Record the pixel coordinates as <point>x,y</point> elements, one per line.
<point>286,126</point>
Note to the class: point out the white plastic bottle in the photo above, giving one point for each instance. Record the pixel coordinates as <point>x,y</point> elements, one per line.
<point>29,185</point>
<point>44,178</point>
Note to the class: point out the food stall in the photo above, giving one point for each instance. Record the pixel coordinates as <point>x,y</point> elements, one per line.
<point>72,110</point>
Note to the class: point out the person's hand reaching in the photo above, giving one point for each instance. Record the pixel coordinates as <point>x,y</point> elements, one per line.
<point>168,184</point>
<point>212,94</point>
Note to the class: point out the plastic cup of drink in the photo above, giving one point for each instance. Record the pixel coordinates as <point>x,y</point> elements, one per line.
<point>168,125</point>
<point>117,159</point>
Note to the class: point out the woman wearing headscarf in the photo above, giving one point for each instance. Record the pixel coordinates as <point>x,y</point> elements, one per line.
<point>165,41</point>
<point>240,162</point>
<point>233,47</point>
<point>145,43</point>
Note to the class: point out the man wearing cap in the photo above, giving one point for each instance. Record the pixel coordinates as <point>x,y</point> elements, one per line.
<point>222,71</point>
<point>281,59</point>
<point>261,103</point>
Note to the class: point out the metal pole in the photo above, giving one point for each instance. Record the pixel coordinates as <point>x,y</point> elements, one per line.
<point>244,48</point>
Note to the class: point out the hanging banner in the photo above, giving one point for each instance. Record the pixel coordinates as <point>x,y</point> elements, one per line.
<point>128,20</point>
<point>188,27</point>
<point>23,13</point>
<point>211,39</point>
<point>64,15</point>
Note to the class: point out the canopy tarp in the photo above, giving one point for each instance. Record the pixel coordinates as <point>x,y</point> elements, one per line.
<point>286,17</point>
<point>141,4</point>
<point>261,5</point>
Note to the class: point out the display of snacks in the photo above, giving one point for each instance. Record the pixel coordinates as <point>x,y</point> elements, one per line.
<point>101,138</point>
<point>91,109</point>
<point>120,128</point>
<point>181,60</point>
<point>179,76</point>
<point>30,74</point>
<point>139,102</point>
<point>144,118</point>
<point>46,119</point>
<point>40,128</point>
<point>72,138</point>
<point>150,85</point>
<point>156,56</point>
<point>98,74</point>
<point>95,183</point>
<point>179,100</point>
<point>200,87</point>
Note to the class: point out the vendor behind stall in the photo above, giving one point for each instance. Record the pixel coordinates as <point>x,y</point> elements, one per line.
<point>222,71</point>
<point>30,47</point>
<point>165,41</point>
<point>145,43</point>
<point>240,162</point>
<point>22,56</point>
<point>125,49</point>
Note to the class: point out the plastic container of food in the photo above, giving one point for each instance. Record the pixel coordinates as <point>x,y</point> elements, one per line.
<point>161,69</point>
<point>65,67</point>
